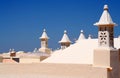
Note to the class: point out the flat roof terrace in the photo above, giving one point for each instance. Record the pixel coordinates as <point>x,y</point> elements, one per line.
<point>49,70</point>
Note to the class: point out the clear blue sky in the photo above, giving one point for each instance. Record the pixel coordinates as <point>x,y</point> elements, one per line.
<point>22,21</point>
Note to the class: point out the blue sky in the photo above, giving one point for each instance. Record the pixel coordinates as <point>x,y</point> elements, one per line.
<point>22,21</point>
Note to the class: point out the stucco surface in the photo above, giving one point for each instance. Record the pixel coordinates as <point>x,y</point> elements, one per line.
<point>80,52</point>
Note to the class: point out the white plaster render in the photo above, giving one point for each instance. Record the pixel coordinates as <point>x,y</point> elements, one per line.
<point>105,18</point>
<point>78,53</point>
<point>82,36</point>
<point>44,35</point>
<point>65,38</point>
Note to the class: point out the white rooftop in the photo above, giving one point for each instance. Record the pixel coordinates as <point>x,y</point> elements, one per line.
<point>119,36</point>
<point>65,38</point>
<point>78,53</point>
<point>105,19</point>
<point>90,36</point>
<point>44,35</point>
<point>82,36</point>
